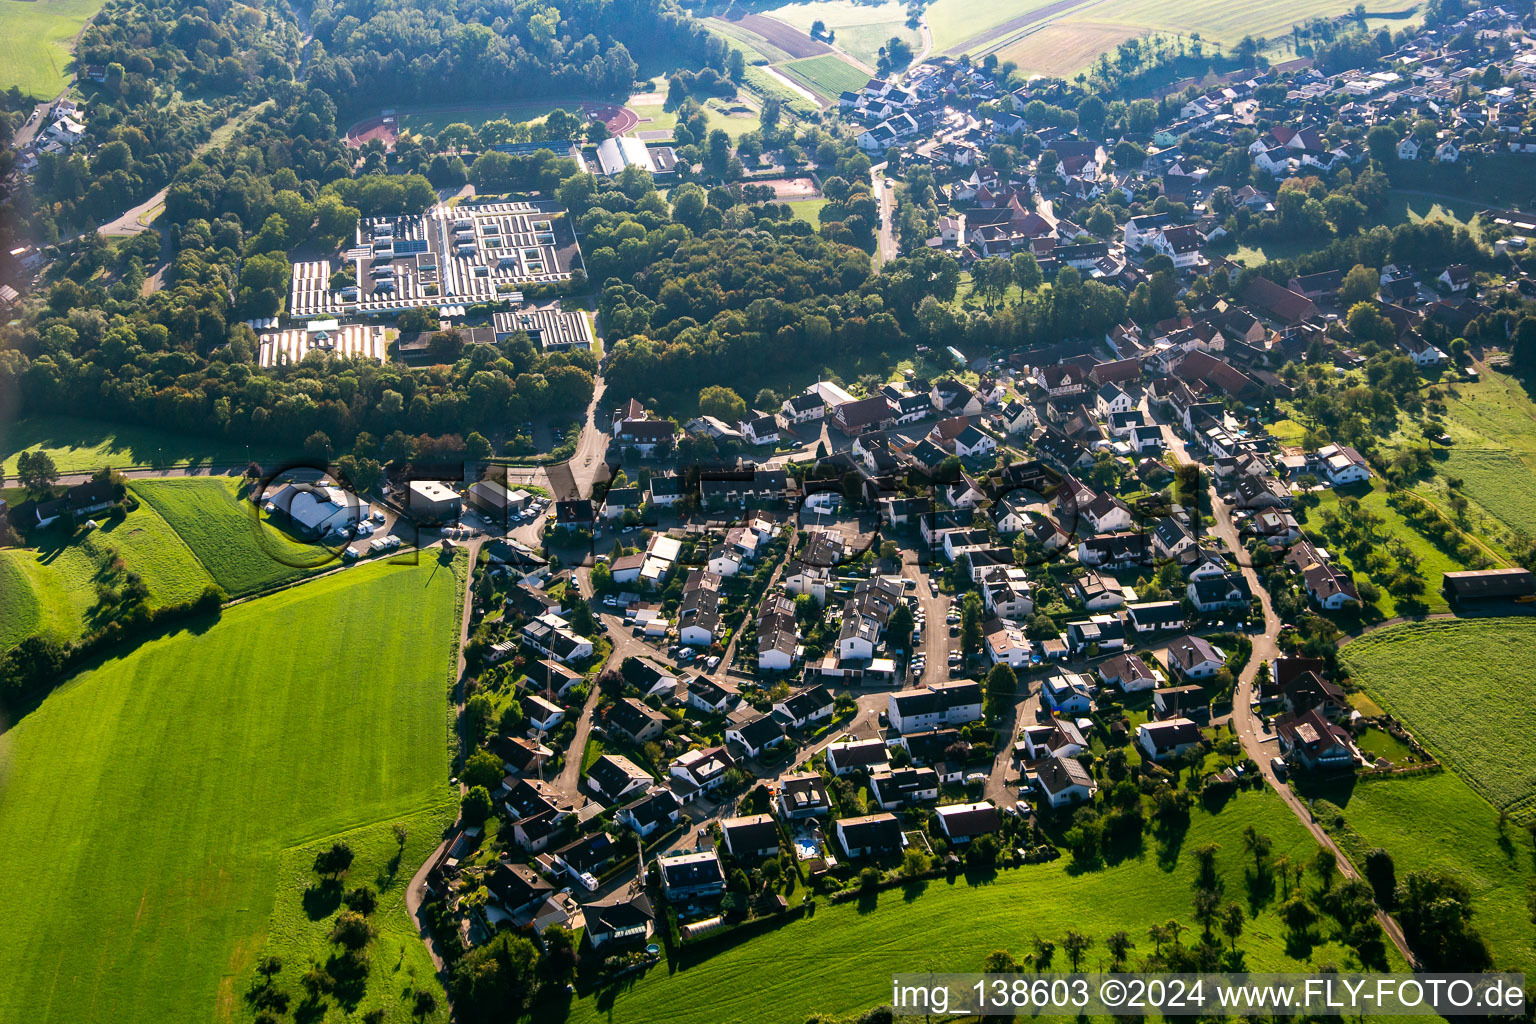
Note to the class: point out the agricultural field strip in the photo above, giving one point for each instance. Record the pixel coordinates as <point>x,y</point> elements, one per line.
<point>1475,709</point>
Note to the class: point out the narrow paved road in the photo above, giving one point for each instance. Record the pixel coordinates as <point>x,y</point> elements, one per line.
<point>885,198</point>
<point>1257,744</point>
<point>927,36</point>
<point>416,890</point>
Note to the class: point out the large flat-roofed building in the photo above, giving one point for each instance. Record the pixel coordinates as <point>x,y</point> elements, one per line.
<point>450,256</point>
<point>361,341</point>
<point>553,330</point>
<point>434,499</point>
<point>615,154</point>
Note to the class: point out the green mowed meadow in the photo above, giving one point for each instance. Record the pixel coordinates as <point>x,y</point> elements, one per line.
<point>52,588</point>
<point>302,916</point>
<point>83,446</point>
<point>1467,689</point>
<point>148,807</point>
<point>241,554</point>
<point>840,960</point>
<point>20,609</point>
<point>36,41</point>
<point>1435,821</point>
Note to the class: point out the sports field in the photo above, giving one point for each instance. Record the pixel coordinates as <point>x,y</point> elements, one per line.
<point>431,120</point>
<point>1467,689</point>
<point>242,555</point>
<point>51,590</point>
<point>83,446</point>
<point>1408,817</point>
<point>36,41</point>
<point>151,804</point>
<point>827,76</point>
<point>839,961</point>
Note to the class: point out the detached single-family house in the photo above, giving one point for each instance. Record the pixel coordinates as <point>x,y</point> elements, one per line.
<point>658,809</point>
<point>613,777</point>
<point>803,795</point>
<point>1067,693</point>
<point>1312,742</point>
<point>687,876</point>
<point>870,835</point>
<point>753,838</point>
<point>1127,672</point>
<point>962,823</point>
<point>1062,781</point>
<point>756,735</point>
<point>1161,741</point>
<point>1192,657</point>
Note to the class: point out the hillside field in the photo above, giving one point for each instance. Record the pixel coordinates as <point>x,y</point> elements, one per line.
<point>1493,425</point>
<point>859,29</point>
<point>84,446</point>
<point>1467,689</point>
<point>153,805</point>
<point>53,588</point>
<point>36,43</point>
<point>839,961</point>
<point>242,555</point>
<point>828,75</point>
<point>1408,817</point>
<point>1065,36</point>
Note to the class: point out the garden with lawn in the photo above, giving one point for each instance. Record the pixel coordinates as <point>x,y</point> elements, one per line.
<point>160,808</point>
<point>839,959</point>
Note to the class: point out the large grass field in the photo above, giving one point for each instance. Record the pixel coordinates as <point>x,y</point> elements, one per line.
<point>82,446</point>
<point>1467,689</point>
<point>827,75</point>
<point>432,119</point>
<point>1077,33</point>
<point>52,589</point>
<point>955,22</point>
<point>1493,424</point>
<point>840,960</point>
<point>859,29</point>
<point>1061,49</point>
<point>1436,822</point>
<point>152,806</point>
<point>36,42</point>
<point>242,555</point>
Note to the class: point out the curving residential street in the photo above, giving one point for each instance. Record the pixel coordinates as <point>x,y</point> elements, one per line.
<point>1257,743</point>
